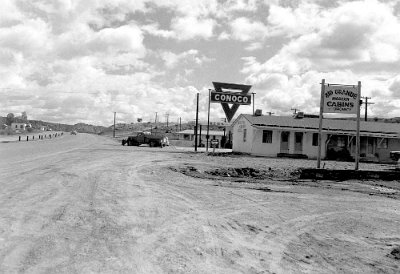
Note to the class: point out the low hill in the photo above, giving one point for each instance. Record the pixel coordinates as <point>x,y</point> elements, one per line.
<point>80,127</point>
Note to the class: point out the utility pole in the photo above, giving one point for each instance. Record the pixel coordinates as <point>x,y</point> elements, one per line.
<point>114,125</point>
<point>366,107</point>
<point>155,120</point>
<point>166,116</point>
<point>180,123</point>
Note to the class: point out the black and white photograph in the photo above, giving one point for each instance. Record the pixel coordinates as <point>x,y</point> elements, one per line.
<point>209,136</point>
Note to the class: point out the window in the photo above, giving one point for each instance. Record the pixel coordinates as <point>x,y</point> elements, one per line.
<point>244,135</point>
<point>341,141</point>
<point>267,136</point>
<point>383,143</point>
<point>370,148</point>
<point>315,139</point>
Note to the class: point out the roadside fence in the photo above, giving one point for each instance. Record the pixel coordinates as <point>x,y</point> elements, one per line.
<point>41,136</point>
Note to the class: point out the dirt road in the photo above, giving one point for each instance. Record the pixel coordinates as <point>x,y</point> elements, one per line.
<point>85,204</point>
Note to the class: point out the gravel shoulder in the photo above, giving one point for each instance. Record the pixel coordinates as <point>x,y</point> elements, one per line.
<point>85,204</point>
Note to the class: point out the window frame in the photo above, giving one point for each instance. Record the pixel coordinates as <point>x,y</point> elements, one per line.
<point>315,139</point>
<point>267,136</point>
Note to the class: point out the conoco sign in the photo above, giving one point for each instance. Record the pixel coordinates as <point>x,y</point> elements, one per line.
<point>223,94</point>
<point>230,98</point>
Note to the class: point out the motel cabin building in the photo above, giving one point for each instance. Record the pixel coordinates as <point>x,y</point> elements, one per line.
<point>297,137</point>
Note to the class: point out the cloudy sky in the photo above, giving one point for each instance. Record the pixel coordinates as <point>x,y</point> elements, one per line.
<point>74,61</point>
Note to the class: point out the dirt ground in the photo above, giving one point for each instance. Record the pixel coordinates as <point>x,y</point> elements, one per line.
<point>86,204</point>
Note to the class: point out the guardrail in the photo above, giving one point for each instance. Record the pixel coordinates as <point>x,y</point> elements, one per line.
<point>41,136</point>
<point>30,137</point>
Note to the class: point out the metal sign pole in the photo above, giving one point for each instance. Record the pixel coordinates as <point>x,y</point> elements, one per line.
<point>197,123</point>
<point>321,113</point>
<point>357,156</point>
<point>208,120</point>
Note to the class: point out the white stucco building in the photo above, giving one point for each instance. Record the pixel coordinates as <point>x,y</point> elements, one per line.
<point>18,126</point>
<point>279,136</point>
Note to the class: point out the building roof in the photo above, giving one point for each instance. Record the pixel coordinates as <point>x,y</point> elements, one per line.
<point>338,126</point>
<point>203,132</point>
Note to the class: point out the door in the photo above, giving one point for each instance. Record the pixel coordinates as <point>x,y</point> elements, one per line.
<point>298,142</point>
<point>285,141</point>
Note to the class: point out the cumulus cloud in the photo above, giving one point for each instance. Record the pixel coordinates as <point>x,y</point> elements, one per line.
<point>394,86</point>
<point>288,21</point>
<point>192,27</point>
<point>338,42</point>
<point>244,30</point>
<point>155,30</point>
<point>184,28</point>
<point>30,37</point>
<point>84,41</point>
<point>172,59</point>
<point>137,57</point>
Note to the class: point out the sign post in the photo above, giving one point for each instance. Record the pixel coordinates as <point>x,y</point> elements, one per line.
<point>214,144</point>
<point>344,99</point>
<point>357,158</point>
<point>197,122</point>
<point>321,113</point>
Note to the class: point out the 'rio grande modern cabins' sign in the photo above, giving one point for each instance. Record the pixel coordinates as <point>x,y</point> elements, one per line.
<point>340,99</point>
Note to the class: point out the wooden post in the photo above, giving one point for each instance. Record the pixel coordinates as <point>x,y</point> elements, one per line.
<point>357,156</point>
<point>200,137</point>
<point>114,126</point>
<point>254,113</point>
<point>321,113</point>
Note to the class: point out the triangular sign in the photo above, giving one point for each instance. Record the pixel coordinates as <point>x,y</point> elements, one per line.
<point>230,111</point>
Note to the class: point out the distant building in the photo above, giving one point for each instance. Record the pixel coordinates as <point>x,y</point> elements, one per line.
<point>187,137</point>
<point>18,126</point>
<point>279,136</point>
